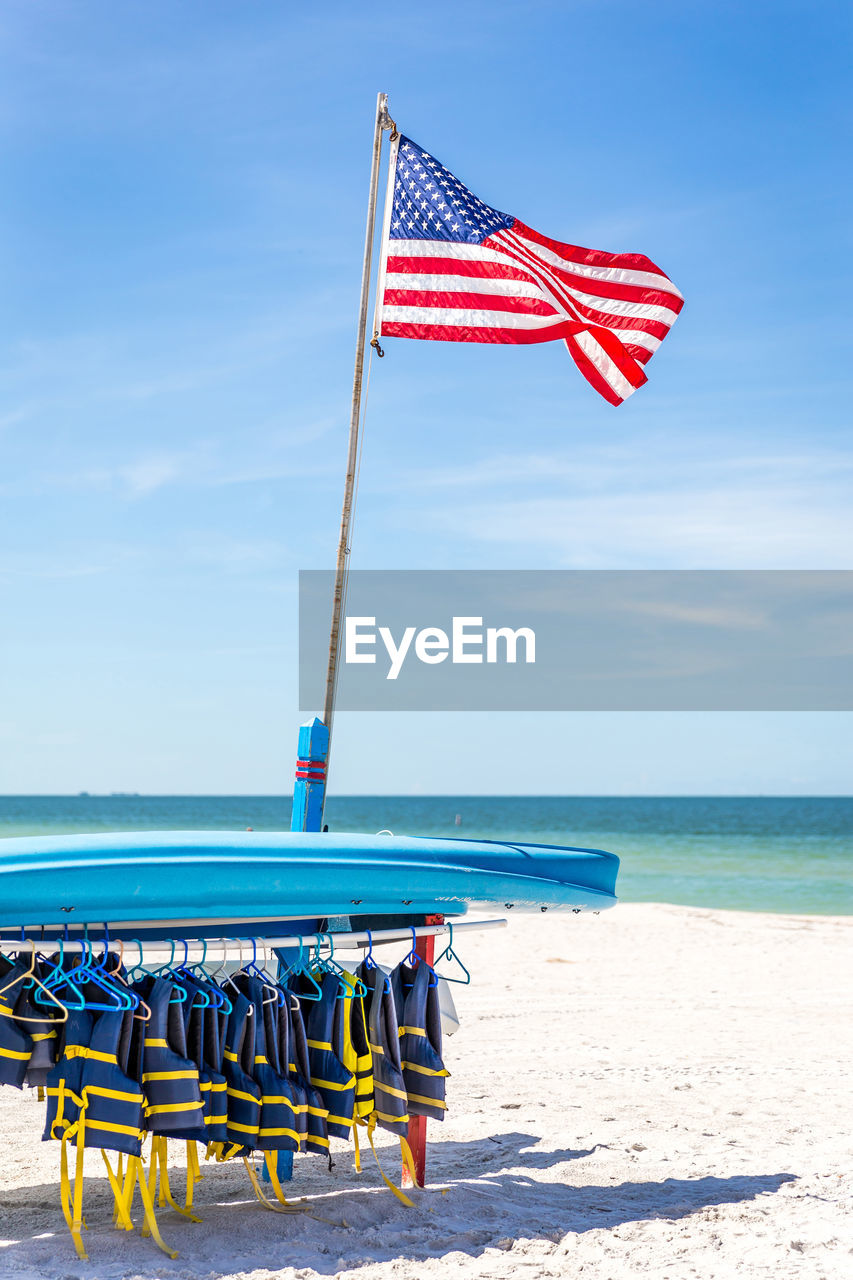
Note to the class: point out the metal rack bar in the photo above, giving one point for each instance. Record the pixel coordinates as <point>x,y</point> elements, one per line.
<point>341,940</point>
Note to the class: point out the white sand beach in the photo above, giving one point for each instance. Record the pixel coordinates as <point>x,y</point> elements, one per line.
<point>659,1091</point>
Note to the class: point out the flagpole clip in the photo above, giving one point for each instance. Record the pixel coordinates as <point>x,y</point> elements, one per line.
<point>374,342</point>
<point>388,123</point>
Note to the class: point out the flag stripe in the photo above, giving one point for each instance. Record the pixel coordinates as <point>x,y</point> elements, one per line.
<point>448,283</point>
<point>453,301</point>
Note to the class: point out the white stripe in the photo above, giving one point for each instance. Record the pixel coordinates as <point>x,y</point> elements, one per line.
<point>638,337</point>
<point>471,319</point>
<point>618,307</point>
<point>605,366</point>
<point>462,284</point>
<point>443,249</point>
<point>613,275</point>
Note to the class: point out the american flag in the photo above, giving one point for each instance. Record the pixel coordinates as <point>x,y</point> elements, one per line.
<point>455,269</point>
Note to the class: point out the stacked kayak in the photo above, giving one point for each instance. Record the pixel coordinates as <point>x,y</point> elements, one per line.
<point>198,876</point>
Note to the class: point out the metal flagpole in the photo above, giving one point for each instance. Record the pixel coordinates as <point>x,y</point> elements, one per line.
<point>383,122</point>
<point>309,795</point>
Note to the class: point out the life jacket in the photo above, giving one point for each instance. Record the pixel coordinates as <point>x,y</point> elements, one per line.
<point>44,1033</point>
<point>170,1080</point>
<point>16,1044</point>
<point>334,1081</point>
<point>357,1057</point>
<point>415,992</point>
<point>389,1086</point>
<point>64,1086</point>
<point>205,1052</point>
<point>295,1050</point>
<point>278,1124</point>
<point>112,1111</point>
<point>243,1093</point>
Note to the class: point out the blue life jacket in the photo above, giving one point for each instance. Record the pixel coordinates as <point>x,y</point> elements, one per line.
<point>278,1124</point>
<point>244,1094</point>
<point>419,1015</point>
<point>64,1081</point>
<point>113,1103</point>
<point>169,1078</point>
<point>335,1083</point>
<point>16,1044</point>
<point>389,1086</point>
<point>293,1046</point>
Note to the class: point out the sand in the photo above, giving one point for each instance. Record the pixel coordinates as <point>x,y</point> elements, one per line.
<point>657,1091</point>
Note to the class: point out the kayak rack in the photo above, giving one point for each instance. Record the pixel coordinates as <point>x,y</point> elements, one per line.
<point>349,939</point>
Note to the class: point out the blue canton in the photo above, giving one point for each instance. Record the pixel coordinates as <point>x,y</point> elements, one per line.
<point>430,204</point>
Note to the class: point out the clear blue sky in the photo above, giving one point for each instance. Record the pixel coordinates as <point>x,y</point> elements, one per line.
<point>181,233</point>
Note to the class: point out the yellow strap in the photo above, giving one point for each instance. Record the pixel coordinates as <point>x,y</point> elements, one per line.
<point>230,1055</point>
<point>319,1044</point>
<point>423,1071</point>
<point>168,1075</point>
<point>382,1115</point>
<point>268,1098</point>
<point>259,1192</point>
<point>428,1102</point>
<point>16,1054</point>
<point>356,1151</point>
<point>401,1196</point>
<point>156,1042</point>
<point>172,1107</point>
<point>408,1160</point>
<point>93,1055</point>
<point>279,1133</point>
<point>387,1088</point>
<point>121,1216</point>
<point>78,1223</point>
<point>412,1031</point>
<point>242,1128</point>
<point>43,1035</point>
<point>121,1095</point>
<point>331,1084</point>
<point>69,1205</point>
<point>158,1154</point>
<point>150,1228</point>
<point>109,1127</point>
<point>247,1097</point>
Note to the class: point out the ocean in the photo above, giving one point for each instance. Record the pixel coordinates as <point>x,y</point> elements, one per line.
<point>792,854</point>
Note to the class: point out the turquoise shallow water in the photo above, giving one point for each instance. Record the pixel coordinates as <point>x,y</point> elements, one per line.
<point>748,853</point>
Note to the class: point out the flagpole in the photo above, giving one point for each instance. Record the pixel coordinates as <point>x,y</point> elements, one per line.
<point>383,122</point>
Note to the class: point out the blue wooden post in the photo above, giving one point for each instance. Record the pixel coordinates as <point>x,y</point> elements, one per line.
<point>308,792</point>
<point>310,786</point>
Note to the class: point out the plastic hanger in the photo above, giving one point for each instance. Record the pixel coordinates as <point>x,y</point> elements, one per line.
<point>450,955</point>
<point>31,974</point>
<point>368,961</point>
<point>301,967</point>
<point>58,979</point>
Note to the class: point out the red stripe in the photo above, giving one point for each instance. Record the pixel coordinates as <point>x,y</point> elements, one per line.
<point>468,301</point>
<point>639,353</point>
<point>477,333</point>
<point>438,266</point>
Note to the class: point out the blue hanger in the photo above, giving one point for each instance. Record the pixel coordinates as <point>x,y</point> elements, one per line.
<point>300,966</point>
<point>450,955</point>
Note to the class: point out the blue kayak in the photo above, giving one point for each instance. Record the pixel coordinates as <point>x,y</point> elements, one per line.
<point>226,875</point>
